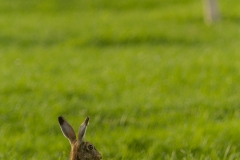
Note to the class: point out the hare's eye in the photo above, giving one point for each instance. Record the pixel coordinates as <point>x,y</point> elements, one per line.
<point>90,147</point>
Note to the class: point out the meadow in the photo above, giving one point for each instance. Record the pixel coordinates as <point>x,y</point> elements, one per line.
<point>155,80</point>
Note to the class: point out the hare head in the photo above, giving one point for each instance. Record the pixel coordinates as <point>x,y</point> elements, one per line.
<point>80,149</point>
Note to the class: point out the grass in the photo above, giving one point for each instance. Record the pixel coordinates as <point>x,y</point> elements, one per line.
<point>156,82</point>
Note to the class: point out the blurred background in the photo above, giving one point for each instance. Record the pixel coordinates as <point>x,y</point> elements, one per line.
<point>156,80</point>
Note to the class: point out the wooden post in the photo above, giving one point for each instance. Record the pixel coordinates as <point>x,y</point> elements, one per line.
<point>211,9</point>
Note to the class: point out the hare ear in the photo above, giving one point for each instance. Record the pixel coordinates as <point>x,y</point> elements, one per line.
<point>67,129</point>
<point>82,130</point>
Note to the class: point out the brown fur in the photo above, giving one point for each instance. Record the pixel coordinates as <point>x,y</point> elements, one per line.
<point>80,149</point>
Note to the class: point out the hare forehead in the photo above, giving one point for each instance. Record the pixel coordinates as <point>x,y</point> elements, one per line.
<point>82,144</point>
<point>88,143</point>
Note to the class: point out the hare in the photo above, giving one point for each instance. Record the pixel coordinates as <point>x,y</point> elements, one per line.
<point>80,149</point>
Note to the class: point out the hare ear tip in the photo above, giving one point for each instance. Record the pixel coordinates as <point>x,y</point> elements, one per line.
<point>86,121</point>
<point>60,120</point>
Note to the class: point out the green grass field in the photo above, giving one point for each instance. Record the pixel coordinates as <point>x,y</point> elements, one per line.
<point>156,82</point>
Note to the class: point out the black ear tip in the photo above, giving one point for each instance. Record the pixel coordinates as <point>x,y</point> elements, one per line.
<point>86,121</point>
<point>60,120</point>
